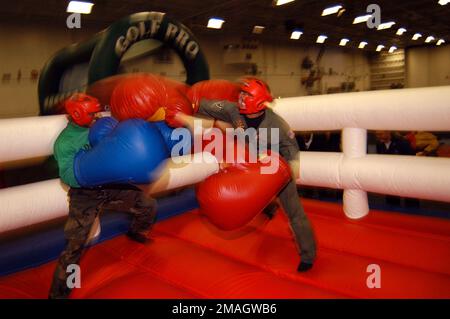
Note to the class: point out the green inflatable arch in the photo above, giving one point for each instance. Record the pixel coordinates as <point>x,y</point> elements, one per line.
<point>105,50</point>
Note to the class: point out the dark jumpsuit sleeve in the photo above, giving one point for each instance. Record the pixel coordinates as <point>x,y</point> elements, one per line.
<point>222,110</point>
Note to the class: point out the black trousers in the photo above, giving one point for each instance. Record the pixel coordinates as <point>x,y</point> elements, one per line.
<point>84,206</point>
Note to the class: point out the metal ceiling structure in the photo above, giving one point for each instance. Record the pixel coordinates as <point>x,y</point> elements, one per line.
<point>424,16</point>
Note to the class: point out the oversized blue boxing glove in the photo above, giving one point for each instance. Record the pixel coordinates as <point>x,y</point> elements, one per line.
<point>131,153</point>
<point>101,128</point>
<point>181,139</point>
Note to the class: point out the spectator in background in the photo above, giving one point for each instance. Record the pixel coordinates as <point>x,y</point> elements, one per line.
<point>423,143</point>
<point>389,143</point>
<point>443,151</point>
<point>319,142</point>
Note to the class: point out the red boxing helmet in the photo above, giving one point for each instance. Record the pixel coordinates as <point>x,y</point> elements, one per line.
<point>254,94</point>
<point>81,108</point>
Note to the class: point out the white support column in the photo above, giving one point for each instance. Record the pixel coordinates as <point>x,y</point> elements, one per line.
<point>354,145</point>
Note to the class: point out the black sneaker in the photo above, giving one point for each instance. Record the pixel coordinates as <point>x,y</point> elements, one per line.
<point>303,266</point>
<point>139,237</point>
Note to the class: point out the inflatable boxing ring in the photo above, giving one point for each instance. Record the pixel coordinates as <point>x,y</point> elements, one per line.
<point>362,253</point>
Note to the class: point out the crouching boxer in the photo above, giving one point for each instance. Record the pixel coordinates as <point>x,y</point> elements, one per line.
<point>251,111</point>
<point>87,195</point>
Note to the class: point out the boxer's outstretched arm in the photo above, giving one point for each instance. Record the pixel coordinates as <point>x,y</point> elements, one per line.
<point>225,111</point>
<point>190,121</point>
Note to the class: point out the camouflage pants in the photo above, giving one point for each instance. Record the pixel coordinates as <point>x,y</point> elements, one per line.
<point>85,205</point>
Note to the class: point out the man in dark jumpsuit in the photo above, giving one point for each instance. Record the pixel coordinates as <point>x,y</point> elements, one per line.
<point>251,111</point>
<point>85,204</point>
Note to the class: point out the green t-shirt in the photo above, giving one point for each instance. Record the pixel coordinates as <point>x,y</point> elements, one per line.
<point>71,140</point>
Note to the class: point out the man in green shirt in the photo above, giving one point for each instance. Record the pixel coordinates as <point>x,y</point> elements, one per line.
<point>71,140</point>
<point>85,204</point>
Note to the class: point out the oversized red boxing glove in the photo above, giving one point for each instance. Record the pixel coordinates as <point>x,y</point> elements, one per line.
<point>176,102</point>
<point>150,97</point>
<point>180,86</point>
<point>213,90</point>
<point>234,196</point>
<point>138,96</point>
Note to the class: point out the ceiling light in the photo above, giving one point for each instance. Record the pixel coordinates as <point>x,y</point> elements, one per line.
<point>258,29</point>
<point>362,19</point>
<point>295,35</point>
<point>429,39</point>
<point>343,42</point>
<point>401,31</point>
<point>380,47</point>
<point>392,49</point>
<point>215,23</point>
<point>416,36</point>
<point>331,10</point>
<point>440,42</point>
<point>362,44</point>
<point>385,25</point>
<point>281,2</point>
<point>321,38</point>
<point>80,7</point>
<point>444,2</point>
